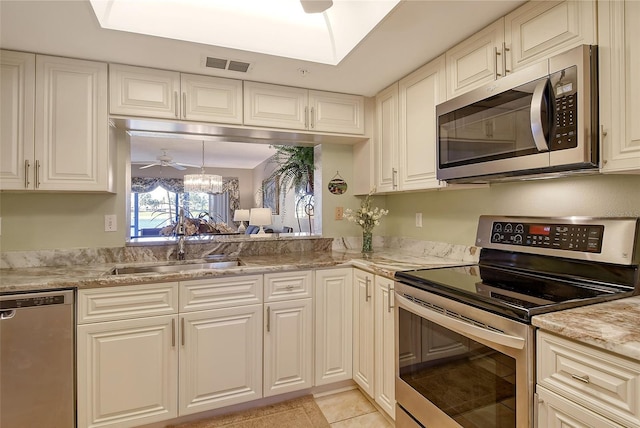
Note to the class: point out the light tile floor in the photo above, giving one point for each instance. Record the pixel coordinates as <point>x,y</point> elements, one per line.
<point>351,409</point>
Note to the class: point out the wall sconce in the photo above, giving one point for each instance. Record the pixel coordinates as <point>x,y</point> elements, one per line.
<point>241,216</point>
<point>260,217</point>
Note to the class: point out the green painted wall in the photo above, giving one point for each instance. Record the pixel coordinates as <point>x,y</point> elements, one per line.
<point>452,215</point>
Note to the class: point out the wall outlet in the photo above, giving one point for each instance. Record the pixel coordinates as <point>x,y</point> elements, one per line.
<point>339,213</point>
<point>110,223</point>
<point>418,219</point>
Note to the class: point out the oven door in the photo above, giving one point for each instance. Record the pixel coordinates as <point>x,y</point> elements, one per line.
<point>457,365</point>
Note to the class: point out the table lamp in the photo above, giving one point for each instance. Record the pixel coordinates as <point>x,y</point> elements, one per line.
<point>241,216</point>
<point>260,217</point>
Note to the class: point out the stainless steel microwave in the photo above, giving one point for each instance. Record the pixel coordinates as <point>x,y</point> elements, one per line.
<point>539,120</point>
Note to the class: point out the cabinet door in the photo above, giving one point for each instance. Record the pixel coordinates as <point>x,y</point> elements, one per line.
<point>332,112</point>
<point>333,325</point>
<point>385,372</point>
<point>127,372</point>
<point>288,352</point>
<point>386,140</point>
<point>72,133</point>
<point>275,106</point>
<point>619,54</point>
<point>211,99</point>
<point>17,97</point>
<point>138,91</point>
<point>476,61</point>
<point>540,29</point>
<point>363,330</point>
<point>220,358</point>
<point>420,92</point>
<point>555,411</point>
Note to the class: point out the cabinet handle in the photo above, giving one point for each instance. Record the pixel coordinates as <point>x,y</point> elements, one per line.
<point>182,331</point>
<point>306,117</point>
<point>312,118</point>
<point>505,49</point>
<point>184,105</point>
<point>268,319</point>
<point>389,292</point>
<point>367,296</point>
<point>27,165</point>
<point>173,333</point>
<point>495,63</point>
<point>37,180</point>
<point>603,131</point>
<point>176,106</point>
<point>394,178</point>
<point>584,378</point>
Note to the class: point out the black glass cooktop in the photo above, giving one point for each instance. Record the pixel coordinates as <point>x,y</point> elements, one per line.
<point>514,293</point>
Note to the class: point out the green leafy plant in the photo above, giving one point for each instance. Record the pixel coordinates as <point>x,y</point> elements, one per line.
<point>294,169</point>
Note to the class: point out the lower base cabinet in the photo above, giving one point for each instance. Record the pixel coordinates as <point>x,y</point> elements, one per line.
<point>374,338</point>
<point>554,411</point>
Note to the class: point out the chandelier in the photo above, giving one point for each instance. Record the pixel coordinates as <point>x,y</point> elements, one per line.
<point>203,183</point>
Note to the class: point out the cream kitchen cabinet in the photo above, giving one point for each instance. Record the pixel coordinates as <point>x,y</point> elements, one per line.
<point>384,364</point>
<point>59,140</point>
<point>363,330</point>
<point>581,386</point>
<point>146,92</point>
<point>533,32</point>
<point>374,338</point>
<point>288,332</point>
<point>297,108</point>
<point>405,141</point>
<point>619,58</point>
<point>333,325</point>
<point>220,342</point>
<point>127,355</point>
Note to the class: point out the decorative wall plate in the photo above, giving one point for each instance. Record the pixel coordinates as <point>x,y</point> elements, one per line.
<point>337,185</point>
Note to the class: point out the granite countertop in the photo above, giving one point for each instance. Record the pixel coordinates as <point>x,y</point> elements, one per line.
<point>612,326</point>
<point>384,262</point>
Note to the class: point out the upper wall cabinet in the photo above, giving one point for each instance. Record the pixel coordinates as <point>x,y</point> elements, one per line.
<point>57,140</point>
<point>297,108</point>
<point>405,142</point>
<point>533,32</point>
<point>138,91</point>
<point>619,52</point>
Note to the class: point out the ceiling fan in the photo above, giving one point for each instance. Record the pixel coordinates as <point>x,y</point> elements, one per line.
<point>165,160</point>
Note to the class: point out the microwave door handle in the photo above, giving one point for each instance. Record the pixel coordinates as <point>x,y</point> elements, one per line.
<point>461,327</point>
<point>536,117</point>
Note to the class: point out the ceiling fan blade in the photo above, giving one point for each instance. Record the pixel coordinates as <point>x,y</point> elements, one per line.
<point>177,166</point>
<point>188,165</point>
<point>149,166</point>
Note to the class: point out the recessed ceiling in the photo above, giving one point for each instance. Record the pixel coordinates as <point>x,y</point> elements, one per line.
<point>412,34</point>
<point>249,25</point>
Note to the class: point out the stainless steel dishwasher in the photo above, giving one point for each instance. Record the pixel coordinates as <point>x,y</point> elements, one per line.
<point>37,360</point>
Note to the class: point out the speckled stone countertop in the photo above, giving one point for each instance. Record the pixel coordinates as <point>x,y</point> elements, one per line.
<point>613,326</point>
<point>383,262</point>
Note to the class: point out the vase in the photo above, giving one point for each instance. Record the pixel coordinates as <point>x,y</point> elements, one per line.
<point>367,242</point>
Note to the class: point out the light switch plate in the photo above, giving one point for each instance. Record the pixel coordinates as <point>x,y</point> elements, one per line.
<point>110,223</point>
<point>418,219</point>
<point>339,213</point>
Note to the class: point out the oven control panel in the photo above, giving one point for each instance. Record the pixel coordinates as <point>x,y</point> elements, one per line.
<point>570,237</point>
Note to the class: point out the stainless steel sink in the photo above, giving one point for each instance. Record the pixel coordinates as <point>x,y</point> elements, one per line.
<point>164,268</point>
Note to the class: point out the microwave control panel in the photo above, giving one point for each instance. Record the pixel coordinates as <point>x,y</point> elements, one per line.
<point>564,130</point>
<point>569,237</point>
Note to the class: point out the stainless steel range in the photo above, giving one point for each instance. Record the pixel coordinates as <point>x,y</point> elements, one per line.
<point>464,342</point>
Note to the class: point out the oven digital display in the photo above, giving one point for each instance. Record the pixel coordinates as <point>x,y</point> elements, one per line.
<point>539,229</point>
<point>567,237</point>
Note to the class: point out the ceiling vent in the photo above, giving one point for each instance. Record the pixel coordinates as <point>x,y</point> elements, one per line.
<point>227,64</point>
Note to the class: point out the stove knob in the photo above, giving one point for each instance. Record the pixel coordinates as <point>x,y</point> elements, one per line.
<point>496,237</point>
<point>518,239</point>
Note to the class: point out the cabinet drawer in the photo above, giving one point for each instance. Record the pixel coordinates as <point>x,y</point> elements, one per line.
<point>287,285</point>
<point>556,411</point>
<point>224,292</point>
<point>117,303</point>
<point>601,381</point>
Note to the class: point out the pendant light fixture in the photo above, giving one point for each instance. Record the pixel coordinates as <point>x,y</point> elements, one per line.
<point>203,183</point>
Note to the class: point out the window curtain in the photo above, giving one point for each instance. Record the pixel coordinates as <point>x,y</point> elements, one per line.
<point>230,186</point>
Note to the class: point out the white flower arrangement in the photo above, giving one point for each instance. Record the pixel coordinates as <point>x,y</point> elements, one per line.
<point>366,217</point>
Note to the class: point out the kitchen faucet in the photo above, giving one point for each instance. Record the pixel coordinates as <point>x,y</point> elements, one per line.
<point>180,233</point>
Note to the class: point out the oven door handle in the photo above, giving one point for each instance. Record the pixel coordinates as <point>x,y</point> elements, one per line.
<point>461,327</point>
<point>537,127</point>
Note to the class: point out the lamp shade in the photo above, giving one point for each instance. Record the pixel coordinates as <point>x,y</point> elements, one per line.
<point>260,217</point>
<point>241,215</point>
